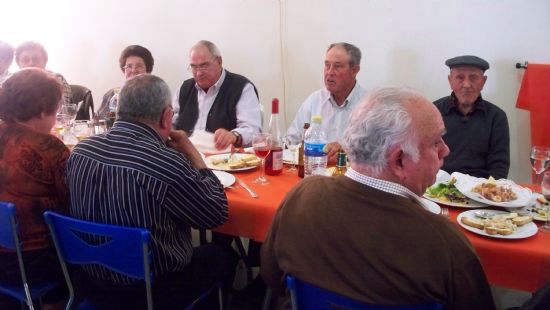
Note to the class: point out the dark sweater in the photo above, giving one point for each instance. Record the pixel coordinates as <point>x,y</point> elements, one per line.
<point>479,142</point>
<point>223,113</point>
<point>372,246</point>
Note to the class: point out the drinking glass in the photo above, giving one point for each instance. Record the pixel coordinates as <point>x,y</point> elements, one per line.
<point>262,142</point>
<point>82,129</point>
<point>69,110</point>
<point>293,146</point>
<point>540,158</point>
<point>59,126</point>
<point>545,188</point>
<point>100,126</point>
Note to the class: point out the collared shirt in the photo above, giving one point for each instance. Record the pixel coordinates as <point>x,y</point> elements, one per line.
<point>479,142</point>
<point>129,177</point>
<point>249,115</point>
<point>385,186</point>
<point>334,117</point>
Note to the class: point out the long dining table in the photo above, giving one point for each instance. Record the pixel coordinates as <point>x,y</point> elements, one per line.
<point>522,264</point>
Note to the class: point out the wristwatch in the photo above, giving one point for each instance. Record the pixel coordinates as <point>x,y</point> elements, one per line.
<point>239,140</point>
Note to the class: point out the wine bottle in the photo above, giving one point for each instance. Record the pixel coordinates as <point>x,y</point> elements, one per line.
<point>301,153</point>
<point>274,161</point>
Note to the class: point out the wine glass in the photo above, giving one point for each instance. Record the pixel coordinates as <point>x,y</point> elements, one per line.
<point>540,158</point>
<point>262,142</point>
<point>69,110</point>
<point>293,145</point>
<point>545,188</point>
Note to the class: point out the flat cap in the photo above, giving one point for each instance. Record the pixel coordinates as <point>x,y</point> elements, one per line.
<point>467,60</point>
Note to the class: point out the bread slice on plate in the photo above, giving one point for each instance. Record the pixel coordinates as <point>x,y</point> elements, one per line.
<point>522,220</point>
<point>473,222</point>
<point>492,230</point>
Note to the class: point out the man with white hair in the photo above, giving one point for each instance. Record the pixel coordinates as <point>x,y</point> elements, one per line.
<point>367,235</point>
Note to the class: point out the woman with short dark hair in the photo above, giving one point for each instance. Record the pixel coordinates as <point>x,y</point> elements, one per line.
<point>134,60</point>
<point>32,166</point>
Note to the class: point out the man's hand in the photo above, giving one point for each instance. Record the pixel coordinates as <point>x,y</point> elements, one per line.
<point>180,142</point>
<point>332,149</point>
<point>223,138</point>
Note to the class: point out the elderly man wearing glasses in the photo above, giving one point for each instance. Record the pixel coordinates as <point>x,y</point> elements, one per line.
<point>216,100</point>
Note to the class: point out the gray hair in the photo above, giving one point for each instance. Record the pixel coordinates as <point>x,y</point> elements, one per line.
<point>143,97</point>
<point>212,48</point>
<point>379,123</point>
<point>353,52</point>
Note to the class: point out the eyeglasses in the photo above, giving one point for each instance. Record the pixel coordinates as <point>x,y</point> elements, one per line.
<point>201,67</point>
<point>138,66</point>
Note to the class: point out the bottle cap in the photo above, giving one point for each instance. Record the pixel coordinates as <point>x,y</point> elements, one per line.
<point>275,106</point>
<point>316,119</point>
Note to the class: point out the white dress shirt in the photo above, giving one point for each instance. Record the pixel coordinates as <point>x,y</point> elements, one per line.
<point>334,117</point>
<point>249,116</point>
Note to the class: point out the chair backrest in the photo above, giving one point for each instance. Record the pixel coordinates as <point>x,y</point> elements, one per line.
<point>9,238</point>
<point>121,249</point>
<point>82,93</point>
<point>8,233</point>
<point>305,296</point>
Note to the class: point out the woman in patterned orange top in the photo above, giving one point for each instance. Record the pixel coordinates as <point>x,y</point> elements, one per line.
<point>32,165</point>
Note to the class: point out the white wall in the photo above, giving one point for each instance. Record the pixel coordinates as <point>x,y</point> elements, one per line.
<point>280,45</point>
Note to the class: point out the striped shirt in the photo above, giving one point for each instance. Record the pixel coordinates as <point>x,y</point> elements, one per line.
<point>129,177</point>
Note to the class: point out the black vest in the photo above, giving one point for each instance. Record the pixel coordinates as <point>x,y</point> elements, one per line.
<point>223,113</point>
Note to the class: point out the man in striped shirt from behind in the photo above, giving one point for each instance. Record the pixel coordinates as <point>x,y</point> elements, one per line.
<point>143,174</point>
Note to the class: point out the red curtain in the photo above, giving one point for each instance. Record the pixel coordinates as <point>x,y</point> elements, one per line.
<point>534,95</point>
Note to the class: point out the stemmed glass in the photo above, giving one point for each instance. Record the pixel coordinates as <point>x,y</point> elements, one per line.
<point>293,146</point>
<point>545,188</point>
<point>540,158</point>
<point>69,110</point>
<point>262,142</point>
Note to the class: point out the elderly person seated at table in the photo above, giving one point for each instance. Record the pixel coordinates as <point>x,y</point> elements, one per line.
<point>133,60</point>
<point>6,58</point>
<point>143,174</point>
<point>33,55</point>
<point>32,164</point>
<point>367,235</point>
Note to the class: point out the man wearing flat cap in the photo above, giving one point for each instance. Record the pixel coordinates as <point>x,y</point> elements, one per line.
<point>477,130</point>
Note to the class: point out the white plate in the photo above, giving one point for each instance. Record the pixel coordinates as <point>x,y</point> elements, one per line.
<point>225,178</point>
<point>465,184</point>
<point>532,204</point>
<point>522,232</point>
<point>289,157</point>
<point>432,206</point>
<point>442,176</point>
<point>209,164</point>
<point>472,204</point>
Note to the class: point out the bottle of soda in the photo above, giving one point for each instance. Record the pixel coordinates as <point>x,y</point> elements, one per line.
<point>315,159</point>
<point>341,164</point>
<point>274,161</point>
<point>301,153</point>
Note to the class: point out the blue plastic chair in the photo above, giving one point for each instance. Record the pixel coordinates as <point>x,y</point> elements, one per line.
<point>125,250</point>
<point>9,238</point>
<point>305,296</point>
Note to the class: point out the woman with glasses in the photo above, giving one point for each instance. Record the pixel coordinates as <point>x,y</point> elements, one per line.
<point>134,60</point>
<point>32,166</point>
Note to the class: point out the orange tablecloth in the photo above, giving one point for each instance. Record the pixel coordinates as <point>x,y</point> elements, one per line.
<point>519,264</point>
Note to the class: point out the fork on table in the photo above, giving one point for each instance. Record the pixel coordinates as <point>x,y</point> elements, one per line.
<point>445,212</point>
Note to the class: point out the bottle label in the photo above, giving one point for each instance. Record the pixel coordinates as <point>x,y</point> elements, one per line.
<point>278,160</point>
<point>314,149</point>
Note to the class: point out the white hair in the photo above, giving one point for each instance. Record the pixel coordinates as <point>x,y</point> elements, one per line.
<point>379,123</point>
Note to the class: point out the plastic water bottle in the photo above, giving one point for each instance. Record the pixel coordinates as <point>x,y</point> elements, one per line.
<point>315,159</point>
